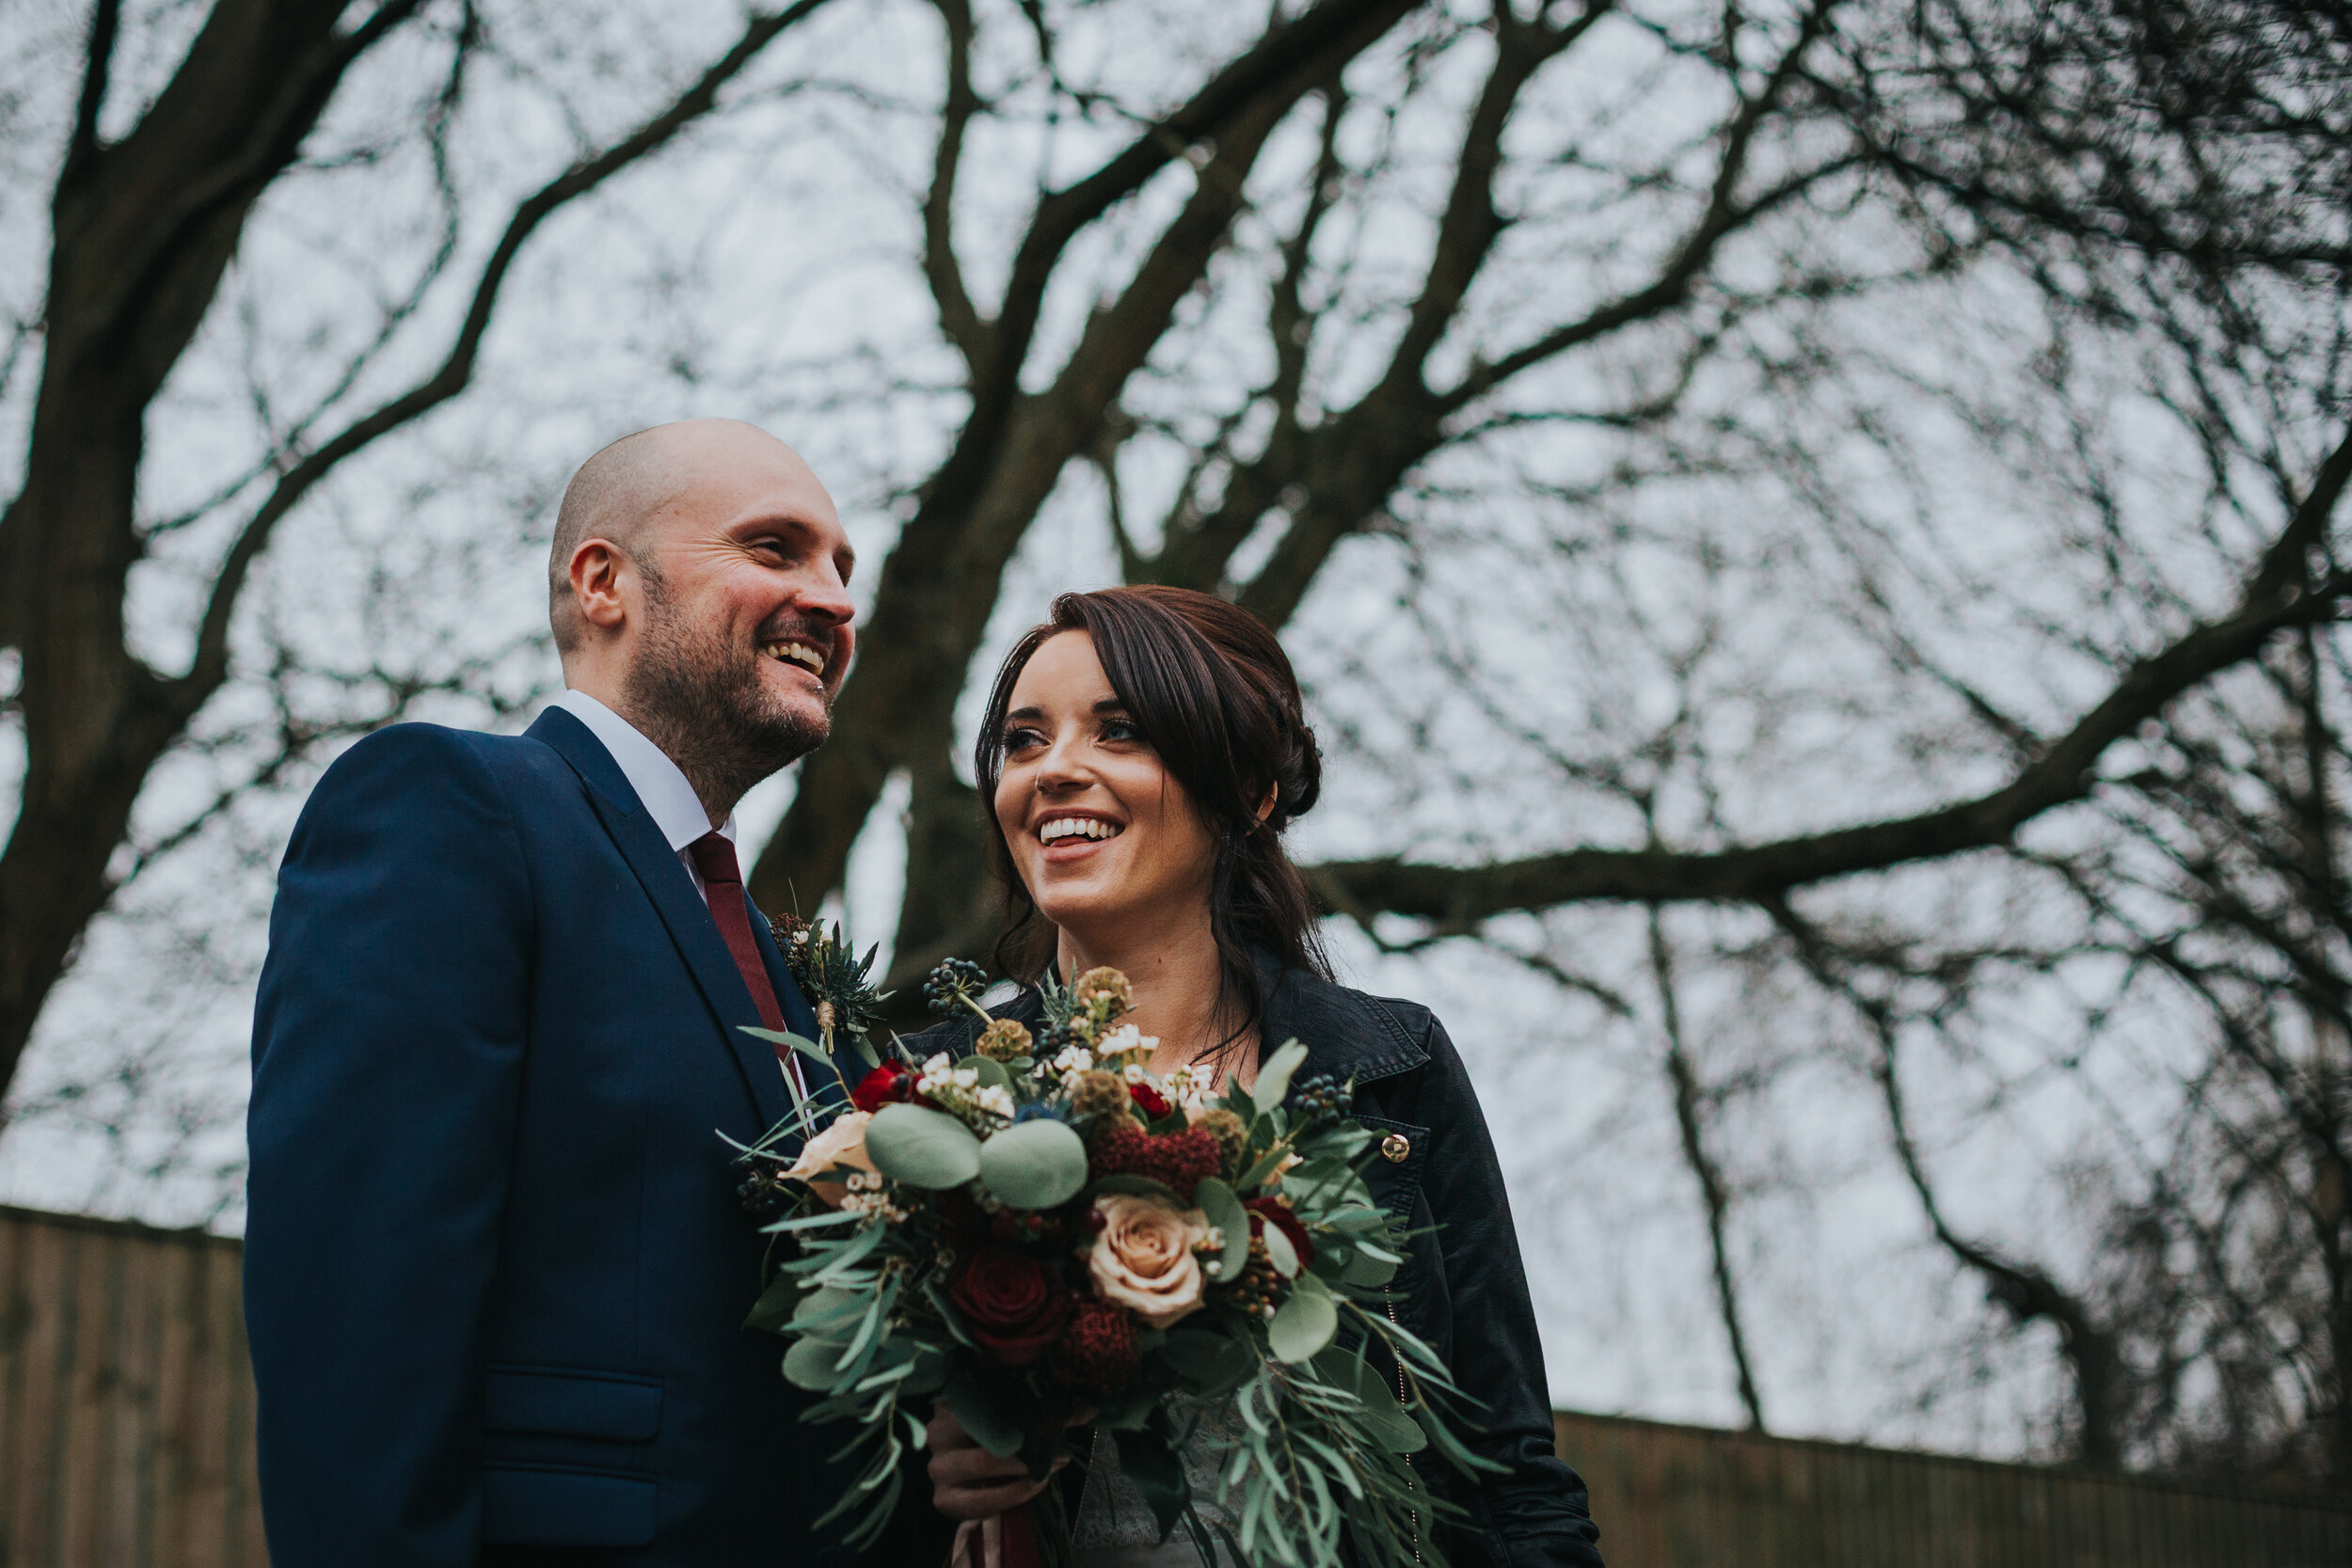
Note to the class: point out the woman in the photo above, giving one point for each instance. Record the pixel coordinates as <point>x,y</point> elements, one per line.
<point>1142,753</point>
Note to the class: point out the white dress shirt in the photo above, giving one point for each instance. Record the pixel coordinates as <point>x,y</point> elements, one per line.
<point>662,787</point>
<point>662,790</point>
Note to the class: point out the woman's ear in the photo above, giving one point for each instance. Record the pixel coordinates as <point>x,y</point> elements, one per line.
<point>1273,797</point>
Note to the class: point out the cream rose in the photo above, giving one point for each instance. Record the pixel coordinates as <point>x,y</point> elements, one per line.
<point>842,1143</point>
<point>1142,1258</point>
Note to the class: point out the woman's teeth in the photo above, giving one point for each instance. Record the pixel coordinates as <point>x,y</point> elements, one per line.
<point>797,653</point>
<point>1079,826</point>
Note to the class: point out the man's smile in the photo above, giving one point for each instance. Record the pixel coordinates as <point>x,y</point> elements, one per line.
<point>794,650</point>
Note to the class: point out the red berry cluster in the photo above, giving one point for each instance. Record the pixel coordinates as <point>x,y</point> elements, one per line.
<point>1179,1160</point>
<point>1098,1351</point>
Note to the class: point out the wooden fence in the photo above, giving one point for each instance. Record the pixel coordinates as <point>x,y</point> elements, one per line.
<point>1674,1496</point>
<point>126,1441</point>
<point>126,1406</point>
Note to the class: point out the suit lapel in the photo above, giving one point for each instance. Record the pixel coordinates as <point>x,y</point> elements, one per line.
<point>682,910</point>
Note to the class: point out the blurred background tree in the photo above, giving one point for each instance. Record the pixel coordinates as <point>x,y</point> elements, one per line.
<point>1811,529</point>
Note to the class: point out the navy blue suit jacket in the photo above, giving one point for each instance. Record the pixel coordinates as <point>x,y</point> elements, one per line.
<point>495,1271</point>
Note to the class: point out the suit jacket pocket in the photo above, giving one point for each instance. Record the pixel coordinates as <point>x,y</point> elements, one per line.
<point>548,1505</point>
<point>563,1402</point>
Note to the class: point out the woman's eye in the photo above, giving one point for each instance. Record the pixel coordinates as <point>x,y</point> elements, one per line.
<point>1021,739</point>
<point>1120,729</point>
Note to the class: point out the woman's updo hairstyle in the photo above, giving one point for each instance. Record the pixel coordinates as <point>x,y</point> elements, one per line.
<point>1211,690</point>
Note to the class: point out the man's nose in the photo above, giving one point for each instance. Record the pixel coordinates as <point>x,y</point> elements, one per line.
<point>825,594</point>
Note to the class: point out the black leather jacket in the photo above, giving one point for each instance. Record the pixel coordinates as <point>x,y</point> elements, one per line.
<point>1464,1288</point>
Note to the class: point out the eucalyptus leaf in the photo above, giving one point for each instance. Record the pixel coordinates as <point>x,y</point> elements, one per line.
<point>775,1306</point>
<point>1151,1462</point>
<point>809,1363</point>
<point>1215,1361</point>
<point>989,1071</point>
<point>1369,1269</point>
<point>1389,1426</point>
<point>776,1036</point>
<point>1127,1411</point>
<point>1224,1210</point>
<point>1034,1165</point>
<point>929,1374</point>
<point>993,1422</point>
<point>1317,1178</point>
<point>922,1147</point>
<point>1456,1452</point>
<point>1274,1077</point>
<point>1279,1252</point>
<point>1304,1324</point>
<point>831,1313</point>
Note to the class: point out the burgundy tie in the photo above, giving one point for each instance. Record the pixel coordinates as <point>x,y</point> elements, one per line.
<point>722,885</point>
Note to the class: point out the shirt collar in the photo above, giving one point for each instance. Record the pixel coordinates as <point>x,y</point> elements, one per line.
<point>662,787</point>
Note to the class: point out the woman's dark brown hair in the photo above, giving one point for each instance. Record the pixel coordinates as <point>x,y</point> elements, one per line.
<point>1211,692</point>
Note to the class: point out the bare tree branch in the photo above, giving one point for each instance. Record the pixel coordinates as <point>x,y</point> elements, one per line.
<point>1682,1073</point>
<point>210,666</point>
<point>957,317</point>
<point>2063,772</point>
<point>2027,1293</point>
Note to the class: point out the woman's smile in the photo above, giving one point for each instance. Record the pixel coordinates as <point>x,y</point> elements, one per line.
<point>1070,835</point>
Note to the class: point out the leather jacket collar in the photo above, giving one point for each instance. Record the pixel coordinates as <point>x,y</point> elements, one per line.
<point>1344,1033</point>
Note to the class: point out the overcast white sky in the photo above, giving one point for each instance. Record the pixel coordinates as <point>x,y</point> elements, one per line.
<point>765,269</point>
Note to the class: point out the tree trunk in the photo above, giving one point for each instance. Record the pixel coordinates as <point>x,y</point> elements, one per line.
<point>142,231</point>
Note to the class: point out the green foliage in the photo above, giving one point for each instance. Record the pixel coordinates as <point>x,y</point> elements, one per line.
<point>1306,1322</point>
<point>922,1147</point>
<point>1298,1342</point>
<point>1150,1458</point>
<point>837,983</point>
<point>1216,1200</point>
<point>1213,1363</point>
<point>988,1416</point>
<point>1274,1077</point>
<point>991,1072</point>
<point>1037,1164</point>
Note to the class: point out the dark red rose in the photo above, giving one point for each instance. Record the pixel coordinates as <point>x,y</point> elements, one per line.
<point>1014,1304</point>
<point>1150,1101</point>
<point>887,1085</point>
<point>1274,1212</point>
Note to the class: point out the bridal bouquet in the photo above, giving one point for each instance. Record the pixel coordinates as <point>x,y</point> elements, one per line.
<point>1042,1228</point>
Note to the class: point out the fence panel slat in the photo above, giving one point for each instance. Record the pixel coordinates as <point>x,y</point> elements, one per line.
<point>126,1441</point>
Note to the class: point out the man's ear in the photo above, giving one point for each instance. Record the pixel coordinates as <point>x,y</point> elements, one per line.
<point>597,567</point>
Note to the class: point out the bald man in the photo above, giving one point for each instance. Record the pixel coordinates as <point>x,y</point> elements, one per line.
<point>495,1274</point>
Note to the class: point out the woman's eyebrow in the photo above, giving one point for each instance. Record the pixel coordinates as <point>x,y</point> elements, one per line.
<point>1024,713</point>
<point>1109,704</point>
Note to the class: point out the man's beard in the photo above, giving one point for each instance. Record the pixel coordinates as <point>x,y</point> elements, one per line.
<point>703,703</point>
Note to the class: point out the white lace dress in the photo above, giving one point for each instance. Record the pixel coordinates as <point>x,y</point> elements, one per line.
<point>1114,1528</point>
